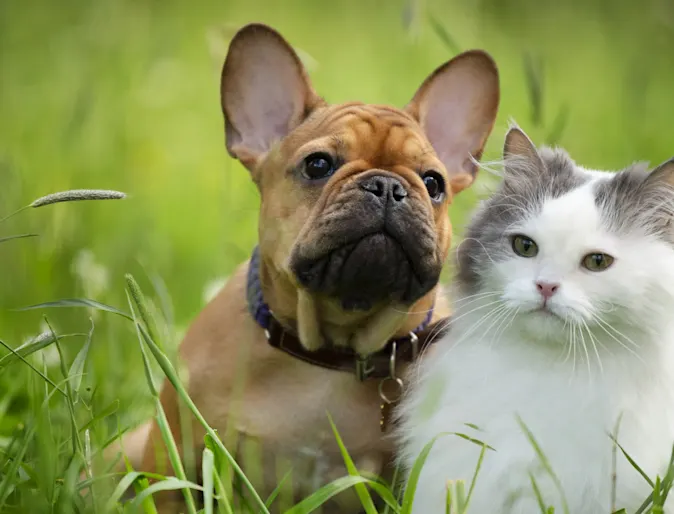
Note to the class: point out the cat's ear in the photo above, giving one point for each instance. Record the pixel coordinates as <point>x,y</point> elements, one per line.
<point>520,152</point>
<point>662,175</point>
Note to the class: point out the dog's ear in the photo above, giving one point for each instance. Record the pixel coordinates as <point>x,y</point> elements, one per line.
<point>264,90</point>
<point>456,107</point>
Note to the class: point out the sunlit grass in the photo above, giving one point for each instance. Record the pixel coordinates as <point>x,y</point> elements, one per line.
<point>77,487</point>
<point>123,95</point>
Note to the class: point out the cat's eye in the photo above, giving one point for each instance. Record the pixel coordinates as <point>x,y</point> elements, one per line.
<point>597,261</point>
<point>524,246</point>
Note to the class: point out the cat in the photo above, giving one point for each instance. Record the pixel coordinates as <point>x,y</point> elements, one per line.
<point>563,327</point>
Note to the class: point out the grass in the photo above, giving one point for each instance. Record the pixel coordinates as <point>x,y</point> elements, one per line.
<point>122,95</point>
<point>76,487</point>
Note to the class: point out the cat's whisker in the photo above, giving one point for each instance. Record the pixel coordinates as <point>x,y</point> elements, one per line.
<point>599,306</point>
<point>602,321</point>
<point>517,208</point>
<point>487,166</point>
<point>474,298</point>
<point>604,327</point>
<point>480,243</point>
<point>517,311</point>
<point>594,345</point>
<point>588,362</point>
<point>479,296</point>
<point>479,323</point>
<point>504,324</point>
<point>570,340</point>
<point>503,313</point>
<point>467,333</point>
<point>575,342</point>
<point>453,319</point>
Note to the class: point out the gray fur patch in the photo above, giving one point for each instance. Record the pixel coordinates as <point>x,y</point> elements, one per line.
<point>524,188</point>
<point>629,201</point>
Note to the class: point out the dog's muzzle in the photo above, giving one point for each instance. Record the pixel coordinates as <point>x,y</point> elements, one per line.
<point>378,246</point>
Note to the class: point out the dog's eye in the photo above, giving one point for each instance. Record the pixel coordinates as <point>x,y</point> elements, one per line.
<point>318,166</point>
<point>435,185</point>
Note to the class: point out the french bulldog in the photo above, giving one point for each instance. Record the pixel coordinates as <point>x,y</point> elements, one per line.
<point>353,235</point>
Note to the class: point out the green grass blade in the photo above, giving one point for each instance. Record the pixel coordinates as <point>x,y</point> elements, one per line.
<point>413,478</point>
<point>77,302</point>
<point>104,413</point>
<point>558,125</point>
<point>668,481</point>
<point>162,423</point>
<point>36,344</point>
<point>78,447</point>
<point>444,36</point>
<point>475,475</point>
<point>172,376</point>
<point>207,472</point>
<point>546,463</point>
<point>224,507</point>
<point>277,489</point>
<point>315,500</point>
<point>169,484</point>
<point>415,472</point>
<point>657,502</point>
<point>140,485</point>
<point>15,213</point>
<point>361,489</point>
<point>385,494</point>
<point>143,312</point>
<point>77,367</point>
<point>11,472</point>
<point>537,494</point>
<point>633,462</point>
<point>44,377</point>
<point>18,236</point>
<point>460,494</point>
<point>534,80</point>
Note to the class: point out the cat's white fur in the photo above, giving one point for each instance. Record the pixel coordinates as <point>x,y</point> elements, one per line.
<point>498,364</point>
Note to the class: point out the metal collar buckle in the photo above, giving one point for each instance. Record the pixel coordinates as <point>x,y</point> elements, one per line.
<point>364,367</point>
<point>414,341</point>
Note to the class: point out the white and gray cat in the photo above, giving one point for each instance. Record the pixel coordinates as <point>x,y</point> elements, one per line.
<point>564,317</point>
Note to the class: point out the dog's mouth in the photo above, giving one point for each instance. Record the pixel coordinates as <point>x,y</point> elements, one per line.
<point>372,269</point>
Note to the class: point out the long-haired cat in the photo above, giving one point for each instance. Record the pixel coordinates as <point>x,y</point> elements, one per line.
<point>564,324</point>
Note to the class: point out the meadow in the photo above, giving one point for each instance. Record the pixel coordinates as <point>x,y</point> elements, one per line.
<point>123,95</point>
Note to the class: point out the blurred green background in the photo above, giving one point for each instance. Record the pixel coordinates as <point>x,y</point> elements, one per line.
<point>123,94</point>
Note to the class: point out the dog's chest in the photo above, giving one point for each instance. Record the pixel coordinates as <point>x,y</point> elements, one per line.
<point>292,426</point>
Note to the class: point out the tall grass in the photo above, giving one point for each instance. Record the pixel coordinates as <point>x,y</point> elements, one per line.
<point>122,94</point>
<point>75,487</point>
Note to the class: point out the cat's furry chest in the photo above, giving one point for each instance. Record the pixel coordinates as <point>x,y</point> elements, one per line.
<point>490,383</point>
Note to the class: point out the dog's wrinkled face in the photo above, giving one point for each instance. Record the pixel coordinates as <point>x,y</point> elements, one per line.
<point>376,197</point>
<point>355,196</point>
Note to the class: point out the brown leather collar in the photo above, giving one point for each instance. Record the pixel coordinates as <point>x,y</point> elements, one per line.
<point>377,365</point>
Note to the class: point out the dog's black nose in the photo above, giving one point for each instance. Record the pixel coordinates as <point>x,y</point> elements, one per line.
<point>383,186</point>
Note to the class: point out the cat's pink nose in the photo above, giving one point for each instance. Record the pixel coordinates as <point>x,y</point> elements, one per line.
<point>547,289</point>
